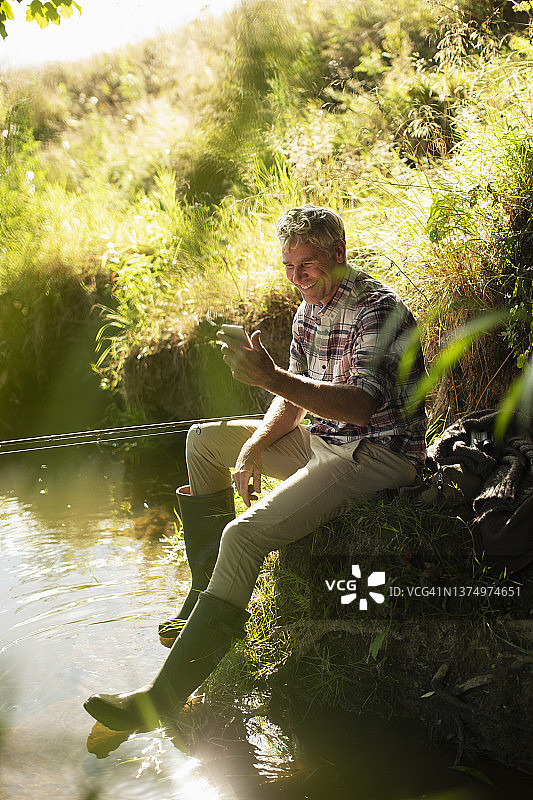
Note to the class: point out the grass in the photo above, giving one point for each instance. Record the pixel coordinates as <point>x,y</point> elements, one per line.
<point>165,167</point>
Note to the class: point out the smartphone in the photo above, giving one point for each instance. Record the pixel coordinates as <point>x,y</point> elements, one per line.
<point>238,333</point>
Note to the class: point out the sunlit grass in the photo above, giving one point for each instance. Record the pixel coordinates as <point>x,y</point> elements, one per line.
<point>164,168</point>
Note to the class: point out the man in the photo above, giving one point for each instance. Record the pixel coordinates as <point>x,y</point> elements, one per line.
<point>349,334</point>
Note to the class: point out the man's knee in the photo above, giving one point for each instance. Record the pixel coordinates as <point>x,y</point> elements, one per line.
<point>200,440</point>
<point>216,442</point>
<point>237,536</point>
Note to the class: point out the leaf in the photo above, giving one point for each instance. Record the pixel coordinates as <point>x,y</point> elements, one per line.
<point>35,12</point>
<point>427,694</point>
<point>474,773</point>
<point>6,9</point>
<point>475,682</point>
<point>35,8</point>
<point>377,643</point>
<point>519,396</point>
<point>522,359</point>
<point>461,338</point>
<point>51,13</point>
<point>408,356</point>
<point>41,20</point>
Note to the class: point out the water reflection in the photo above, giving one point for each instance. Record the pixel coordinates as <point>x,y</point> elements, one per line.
<point>80,597</point>
<point>145,765</point>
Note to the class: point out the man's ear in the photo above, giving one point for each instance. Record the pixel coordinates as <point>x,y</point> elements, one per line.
<point>339,254</point>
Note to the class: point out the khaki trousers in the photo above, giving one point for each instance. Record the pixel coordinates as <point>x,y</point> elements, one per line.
<point>320,481</point>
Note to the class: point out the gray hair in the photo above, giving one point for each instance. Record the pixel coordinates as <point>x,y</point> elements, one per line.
<point>317,225</point>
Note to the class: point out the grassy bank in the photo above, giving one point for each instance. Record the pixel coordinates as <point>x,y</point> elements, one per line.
<point>459,665</point>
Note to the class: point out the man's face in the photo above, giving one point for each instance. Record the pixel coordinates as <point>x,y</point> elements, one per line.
<point>316,274</point>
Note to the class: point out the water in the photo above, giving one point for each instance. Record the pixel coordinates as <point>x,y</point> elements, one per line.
<point>80,597</point>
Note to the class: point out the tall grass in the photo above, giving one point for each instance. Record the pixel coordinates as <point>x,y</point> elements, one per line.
<point>163,168</point>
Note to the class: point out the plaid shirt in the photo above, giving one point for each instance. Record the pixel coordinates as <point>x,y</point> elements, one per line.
<point>358,338</point>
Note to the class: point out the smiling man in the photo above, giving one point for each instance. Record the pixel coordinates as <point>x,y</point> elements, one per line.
<point>348,336</point>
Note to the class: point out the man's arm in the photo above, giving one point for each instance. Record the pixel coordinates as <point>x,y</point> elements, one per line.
<point>333,401</point>
<point>281,418</point>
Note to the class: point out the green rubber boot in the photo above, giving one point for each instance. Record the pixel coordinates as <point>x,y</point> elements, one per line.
<point>203,518</point>
<point>202,643</point>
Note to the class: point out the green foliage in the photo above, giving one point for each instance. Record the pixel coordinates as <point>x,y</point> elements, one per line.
<point>164,166</point>
<point>19,173</point>
<point>41,13</point>
<point>46,334</point>
<point>450,215</point>
<point>377,643</point>
<point>458,341</point>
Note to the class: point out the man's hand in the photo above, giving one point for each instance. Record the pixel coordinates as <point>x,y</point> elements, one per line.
<point>247,475</point>
<point>251,365</point>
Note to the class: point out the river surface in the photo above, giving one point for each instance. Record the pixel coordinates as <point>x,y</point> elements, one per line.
<point>80,597</point>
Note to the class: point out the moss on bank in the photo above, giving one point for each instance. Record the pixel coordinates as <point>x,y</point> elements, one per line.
<point>47,333</point>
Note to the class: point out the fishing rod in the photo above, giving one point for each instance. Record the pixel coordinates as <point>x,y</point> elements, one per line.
<point>103,435</point>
